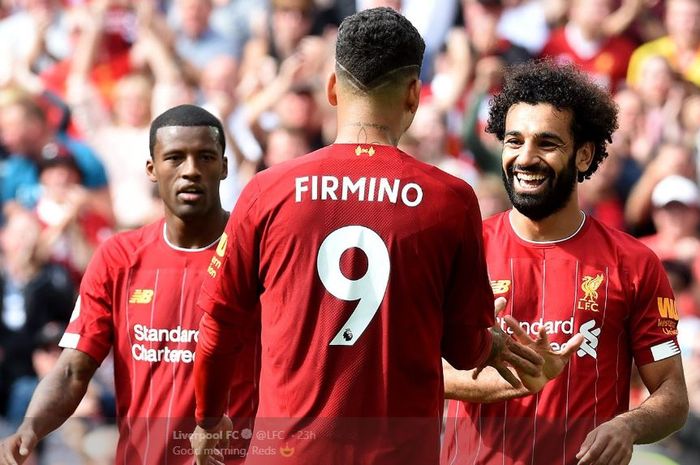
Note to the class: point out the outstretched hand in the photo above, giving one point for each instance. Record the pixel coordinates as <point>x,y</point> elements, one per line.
<point>207,442</point>
<point>554,361</point>
<point>15,449</point>
<point>506,351</point>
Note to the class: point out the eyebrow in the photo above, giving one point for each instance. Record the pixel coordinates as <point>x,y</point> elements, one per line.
<point>539,135</point>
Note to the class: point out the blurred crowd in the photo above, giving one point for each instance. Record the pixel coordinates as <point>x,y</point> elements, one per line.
<point>80,81</point>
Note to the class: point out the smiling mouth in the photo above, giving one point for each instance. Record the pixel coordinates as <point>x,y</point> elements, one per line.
<point>530,181</point>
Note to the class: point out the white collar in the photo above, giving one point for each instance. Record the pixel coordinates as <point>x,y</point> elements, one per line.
<point>182,249</point>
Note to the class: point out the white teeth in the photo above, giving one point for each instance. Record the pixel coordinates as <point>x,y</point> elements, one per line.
<point>530,177</point>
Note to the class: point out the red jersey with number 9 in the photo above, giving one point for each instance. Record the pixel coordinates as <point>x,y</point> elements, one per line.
<point>368,266</point>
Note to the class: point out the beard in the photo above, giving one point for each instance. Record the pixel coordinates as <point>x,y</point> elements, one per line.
<point>555,195</point>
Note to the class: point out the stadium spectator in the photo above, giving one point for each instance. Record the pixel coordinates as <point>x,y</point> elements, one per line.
<point>34,293</point>
<point>565,271</point>
<point>282,269</point>
<point>671,158</point>
<point>284,144</point>
<point>680,47</point>
<point>432,144</point>
<point>599,196</point>
<point>196,41</point>
<point>36,34</point>
<point>27,134</point>
<point>71,229</point>
<point>137,298</point>
<point>676,216</point>
<point>584,41</point>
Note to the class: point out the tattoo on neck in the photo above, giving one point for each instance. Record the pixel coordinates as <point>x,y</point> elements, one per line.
<point>363,136</point>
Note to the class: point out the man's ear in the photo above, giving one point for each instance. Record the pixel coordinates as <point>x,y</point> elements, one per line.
<point>413,95</point>
<point>150,170</point>
<point>224,172</point>
<point>331,89</point>
<point>584,156</point>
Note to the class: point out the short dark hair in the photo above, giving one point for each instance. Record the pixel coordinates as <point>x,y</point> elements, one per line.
<point>186,115</point>
<point>594,113</point>
<point>374,45</point>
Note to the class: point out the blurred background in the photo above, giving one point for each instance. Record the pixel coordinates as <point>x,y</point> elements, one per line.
<point>80,81</point>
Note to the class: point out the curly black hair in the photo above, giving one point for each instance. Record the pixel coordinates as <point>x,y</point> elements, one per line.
<point>594,113</point>
<point>374,42</point>
<point>186,115</point>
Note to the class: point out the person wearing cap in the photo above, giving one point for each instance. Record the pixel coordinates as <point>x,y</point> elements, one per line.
<point>29,137</point>
<point>363,266</point>
<point>71,227</point>
<point>676,216</point>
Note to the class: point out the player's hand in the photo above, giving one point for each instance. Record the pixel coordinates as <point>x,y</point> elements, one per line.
<point>507,351</point>
<point>206,442</point>
<point>554,361</point>
<point>15,449</point>
<point>609,444</point>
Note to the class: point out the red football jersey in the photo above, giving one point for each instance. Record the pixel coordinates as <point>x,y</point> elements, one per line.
<point>368,265</point>
<point>138,297</point>
<point>608,65</point>
<point>601,283</point>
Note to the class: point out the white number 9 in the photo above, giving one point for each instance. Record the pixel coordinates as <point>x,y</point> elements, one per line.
<point>369,289</point>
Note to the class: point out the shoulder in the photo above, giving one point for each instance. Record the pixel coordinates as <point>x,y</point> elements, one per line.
<point>661,45</point>
<point>496,225</point>
<point>121,249</point>
<point>457,190</point>
<point>628,249</point>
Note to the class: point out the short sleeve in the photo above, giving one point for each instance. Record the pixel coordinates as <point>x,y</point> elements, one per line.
<point>231,291</point>
<point>469,304</point>
<point>654,314</point>
<point>91,326</point>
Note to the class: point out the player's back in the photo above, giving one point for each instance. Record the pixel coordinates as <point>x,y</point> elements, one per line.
<point>360,251</point>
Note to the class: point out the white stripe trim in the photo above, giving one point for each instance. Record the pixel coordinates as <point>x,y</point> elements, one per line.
<point>69,340</point>
<point>556,241</point>
<point>182,249</point>
<point>150,384</point>
<point>133,369</point>
<point>665,350</point>
<point>455,427</point>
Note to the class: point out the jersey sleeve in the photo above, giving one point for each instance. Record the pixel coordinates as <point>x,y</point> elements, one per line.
<point>469,304</point>
<point>229,300</point>
<point>654,315</point>
<point>91,327</point>
<point>230,293</point>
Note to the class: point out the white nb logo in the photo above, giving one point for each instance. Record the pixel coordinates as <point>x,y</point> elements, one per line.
<point>590,334</point>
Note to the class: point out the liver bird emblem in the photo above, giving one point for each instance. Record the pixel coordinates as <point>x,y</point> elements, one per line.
<point>590,287</point>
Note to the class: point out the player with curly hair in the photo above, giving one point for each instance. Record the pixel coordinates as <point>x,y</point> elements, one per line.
<point>363,267</point>
<point>567,273</point>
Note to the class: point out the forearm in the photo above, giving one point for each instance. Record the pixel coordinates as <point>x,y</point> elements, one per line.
<point>56,398</point>
<point>662,413</point>
<point>213,370</point>
<point>488,387</point>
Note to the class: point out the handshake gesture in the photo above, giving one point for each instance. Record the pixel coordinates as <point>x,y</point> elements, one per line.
<point>533,359</point>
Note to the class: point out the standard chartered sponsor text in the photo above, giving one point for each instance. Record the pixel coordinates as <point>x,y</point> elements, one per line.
<point>551,326</point>
<point>146,353</point>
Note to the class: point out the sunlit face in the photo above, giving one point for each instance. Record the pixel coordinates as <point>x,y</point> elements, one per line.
<point>590,14</point>
<point>683,20</point>
<point>539,163</point>
<point>188,165</point>
<point>195,16</point>
<point>20,133</point>
<point>133,102</point>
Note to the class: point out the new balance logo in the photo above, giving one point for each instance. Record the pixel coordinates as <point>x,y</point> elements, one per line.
<point>590,335</point>
<point>141,296</point>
